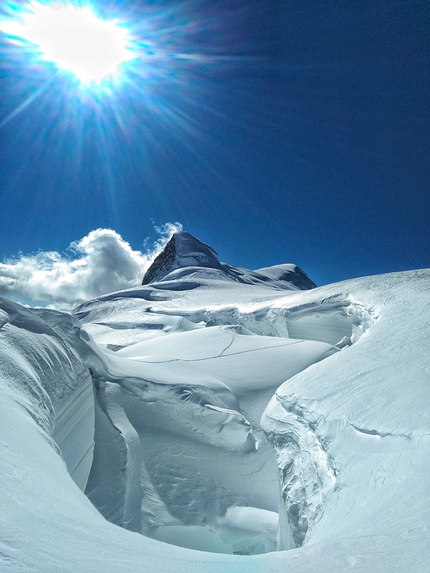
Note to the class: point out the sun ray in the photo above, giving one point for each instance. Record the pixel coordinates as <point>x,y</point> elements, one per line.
<point>20,108</point>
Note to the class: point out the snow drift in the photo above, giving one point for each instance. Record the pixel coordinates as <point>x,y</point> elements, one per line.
<point>220,410</point>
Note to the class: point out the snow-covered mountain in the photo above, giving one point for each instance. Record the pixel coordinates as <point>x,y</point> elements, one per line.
<point>184,255</point>
<point>219,419</point>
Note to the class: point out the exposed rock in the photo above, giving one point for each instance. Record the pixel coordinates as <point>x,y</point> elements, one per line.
<point>183,250</point>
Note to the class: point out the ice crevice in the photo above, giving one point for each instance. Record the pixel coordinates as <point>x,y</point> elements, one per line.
<point>307,473</point>
<point>186,385</point>
<point>380,434</point>
<point>199,379</point>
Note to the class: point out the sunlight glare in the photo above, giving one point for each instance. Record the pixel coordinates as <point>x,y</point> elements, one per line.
<point>74,38</point>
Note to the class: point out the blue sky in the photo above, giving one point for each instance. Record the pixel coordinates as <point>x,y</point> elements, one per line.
<point>297,132</point>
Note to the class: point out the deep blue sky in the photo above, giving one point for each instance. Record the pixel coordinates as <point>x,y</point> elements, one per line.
<point>300,133</point>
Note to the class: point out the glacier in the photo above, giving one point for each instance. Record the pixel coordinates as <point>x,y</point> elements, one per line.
<point>219,419</point>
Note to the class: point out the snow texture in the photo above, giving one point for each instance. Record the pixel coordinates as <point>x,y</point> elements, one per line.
<point>211,420</point>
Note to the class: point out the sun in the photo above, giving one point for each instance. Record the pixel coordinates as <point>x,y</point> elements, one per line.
<point>74,39</point>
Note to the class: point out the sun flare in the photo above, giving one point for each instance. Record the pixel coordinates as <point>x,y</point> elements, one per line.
<point>73,38</point>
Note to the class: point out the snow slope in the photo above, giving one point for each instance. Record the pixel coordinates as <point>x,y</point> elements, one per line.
<point>219,404</point>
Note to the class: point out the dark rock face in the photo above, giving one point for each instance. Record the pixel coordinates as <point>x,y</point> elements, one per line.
<point>162,262</point>
<point>183,250</point>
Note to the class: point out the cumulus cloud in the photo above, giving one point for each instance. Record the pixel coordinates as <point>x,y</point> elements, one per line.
<point>101,262</point>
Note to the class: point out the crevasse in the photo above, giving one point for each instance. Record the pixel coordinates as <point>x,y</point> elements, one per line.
<point>158,495</point>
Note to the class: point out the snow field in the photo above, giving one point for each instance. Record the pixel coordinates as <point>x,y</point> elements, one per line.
<point>179,452</point>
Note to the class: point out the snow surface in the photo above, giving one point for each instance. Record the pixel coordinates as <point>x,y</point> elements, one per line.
<point>270,429</point>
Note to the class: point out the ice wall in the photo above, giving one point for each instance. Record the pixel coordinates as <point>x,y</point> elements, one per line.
<point>53,382</point>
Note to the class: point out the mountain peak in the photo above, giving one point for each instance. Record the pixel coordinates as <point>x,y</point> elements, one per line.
<point>182,250</point>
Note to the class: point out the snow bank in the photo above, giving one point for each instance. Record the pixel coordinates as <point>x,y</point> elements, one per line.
<point>51,383</point>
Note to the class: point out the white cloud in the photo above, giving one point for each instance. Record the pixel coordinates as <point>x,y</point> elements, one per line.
<point>102,262</point>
